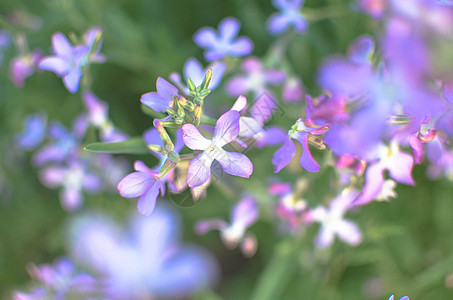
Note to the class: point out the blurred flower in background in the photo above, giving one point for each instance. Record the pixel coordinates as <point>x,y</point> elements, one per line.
<point>144,260</point>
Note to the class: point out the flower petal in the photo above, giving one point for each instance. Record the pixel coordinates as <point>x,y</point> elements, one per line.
<point>240,104</point>
<point>236,164</point>
<point>205,37</point>
<point>284,155</point>
<point>193,138</point>
<point>245,213</point>
<point>226,128</point>
<point>203,226</point>
<point>374,181</point>
<point>55,64</point>
<point>277,23</point>
<point>147,202</point>
<point>194,70</point>
<point>199,170</point>
<point>229,28</point>
<point>61,45</point>
<point>400,168</point>
<point>348,232</point>
<point>217,73</point>
<point>249,126</point>
<point>135,184</point>
<point>306,160</point>
<point>70,198</point>
<point>72,80</point>
<point>155,102</point>
<point>241,47</point>
<point>325,237</point>
<point>165,89</point>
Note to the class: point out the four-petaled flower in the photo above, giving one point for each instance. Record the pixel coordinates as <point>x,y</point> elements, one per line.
<point>289,15</point>
<point>146,260</point>
<point>159,101</point>
<point>244,215</point>
<point>332,222</point>
<point>69,60</point>
<point>226,130</point>
<point>218,46</point>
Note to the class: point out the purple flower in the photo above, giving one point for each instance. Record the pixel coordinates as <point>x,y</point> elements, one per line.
<point>256,79</point>
<point>23,66</point>
<point>58,280</point>
<point>289,15</point>
<point>301,132</point>
<point>159,101</point>
<point>399,165</point>
<point>244,215</point>
<point>98,116</point>
<point>73,179</point>
<point>226,130</point>
<point>67,62</point>
<point>332,222</point>
<point>34,131</point>
<point>64,143</point>
<point>218,46</point>
<point>144,261</point>
<point>195,71</point>
<point>144,183</point>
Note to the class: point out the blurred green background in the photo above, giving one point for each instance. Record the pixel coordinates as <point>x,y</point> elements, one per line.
<point>408,243</point>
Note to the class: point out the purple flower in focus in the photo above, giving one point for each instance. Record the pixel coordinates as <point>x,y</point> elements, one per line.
<point>58,281</point>
<point>73,178</point>
<point>226,130</point>
<point>244,215</point>
<point>159,101</point>
<point>23,66</point>
<point>256,79</point>
<point>33,133</point>
<point>195,71</point>
<point>289,15</point>
<point>224,43</point>
<point>145,184</point>
<point>332,222</point>
<point>98,116</point>
<point>301,132</point>
<point>144,261</point>
<point>399,165</point>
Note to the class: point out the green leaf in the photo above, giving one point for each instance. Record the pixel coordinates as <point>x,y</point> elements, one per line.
<point>134,145</point>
